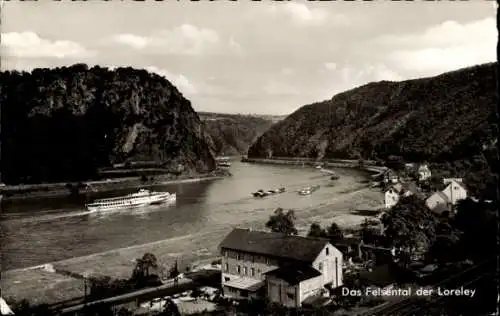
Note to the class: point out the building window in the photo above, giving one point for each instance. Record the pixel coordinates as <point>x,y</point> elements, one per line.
<point>226,267</point>
<point>327,250</point>
<point>245,270</point>
<point>252,271</point>
<point>252,258</point>
<point>226,279</point>
<point>239,269</point>
<point>239,256</point>
<point>320,266</point>
<point>268,262</point>
<point>290,296</point>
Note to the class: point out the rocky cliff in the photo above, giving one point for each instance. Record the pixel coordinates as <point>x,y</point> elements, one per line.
<point>63,124</point>
<point>232,134</point>
<point>442,118</point>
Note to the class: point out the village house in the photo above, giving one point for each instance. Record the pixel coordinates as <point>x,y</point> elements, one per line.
<point>438,202</point>
<point>393,194</point>
<point>391,197</point>
<point>423,172</point>
<point>444,200</point>
<point>286,269</point>
<point>390,176</point>
<point>454,191</point>
<point>4,308</point>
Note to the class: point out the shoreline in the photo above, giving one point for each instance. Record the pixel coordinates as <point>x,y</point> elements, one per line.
<point>334,163</point>
<point>60,190</point>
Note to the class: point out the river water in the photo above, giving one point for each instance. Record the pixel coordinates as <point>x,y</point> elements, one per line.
<point>44,231</point>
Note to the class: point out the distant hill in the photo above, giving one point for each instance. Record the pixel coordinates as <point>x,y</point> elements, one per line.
<point>446,119</point>
<point>64,124</point>
<point>232,134</point>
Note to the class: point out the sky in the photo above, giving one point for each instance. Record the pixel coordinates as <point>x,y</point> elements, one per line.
<point>254,57</point>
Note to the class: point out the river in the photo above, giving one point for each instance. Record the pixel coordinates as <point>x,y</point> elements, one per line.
<point>44,231</point>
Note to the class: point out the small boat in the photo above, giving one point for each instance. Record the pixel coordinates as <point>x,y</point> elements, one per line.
<point>308,190</point>
<point>262,193</point>
<point>141,198</point>
<point>334,177</point>
<point>318,167</point>
<point>223,162</point>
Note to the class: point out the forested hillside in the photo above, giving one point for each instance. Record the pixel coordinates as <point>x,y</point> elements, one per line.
<point>232,134</point>
<point>63,124</point>
<point>447,119</point>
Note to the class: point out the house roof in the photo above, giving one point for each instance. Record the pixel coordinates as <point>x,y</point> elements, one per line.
<point>397,187</point>
<point>382,276</point>
<point>4,308</point>
<point>443,196</point>
<point>423,168</point>
<point>271,244</point>
<point>459,183</point>
<point>294,275</point>
<point>247,284</point>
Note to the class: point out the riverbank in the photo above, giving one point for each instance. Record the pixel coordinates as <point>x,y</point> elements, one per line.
<point>44,286</point>
<point>55,190</point>
<point>368,166</point>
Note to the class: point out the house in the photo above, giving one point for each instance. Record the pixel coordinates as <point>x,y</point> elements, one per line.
<point>438,202</point>
<point>455,191</point>
<point>391,197</point>
<point>423,172</point>
<point>390,176</point>
<point>286,269</point>
<point>410,188</point>
<point>4,308</point>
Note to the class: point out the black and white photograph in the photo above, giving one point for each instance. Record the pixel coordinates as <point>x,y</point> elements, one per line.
<point>248,158</point>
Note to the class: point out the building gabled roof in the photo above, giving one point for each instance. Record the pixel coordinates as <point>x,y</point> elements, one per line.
<point>276,245</point>
<point>294,275</point>
<point>4,308</point>
<point>459,183</point>
<point>442,195</point>
<point>423,168</point>
<point>397,187</point>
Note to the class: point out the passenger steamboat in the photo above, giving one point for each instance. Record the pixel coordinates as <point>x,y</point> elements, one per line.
<point>141,198</point>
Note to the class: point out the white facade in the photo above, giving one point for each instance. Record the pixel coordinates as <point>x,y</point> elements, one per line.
<point>391,198</point>
<point>329,264</point>
<point>423,173</point>
<point>455,192</point>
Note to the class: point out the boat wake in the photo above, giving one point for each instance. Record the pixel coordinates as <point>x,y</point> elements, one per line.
<point>45,217</point>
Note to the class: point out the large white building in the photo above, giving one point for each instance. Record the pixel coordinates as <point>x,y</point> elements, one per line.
<point>286,269</point>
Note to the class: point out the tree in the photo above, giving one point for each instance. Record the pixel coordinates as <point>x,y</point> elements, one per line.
<point>334,233</point>
<point>410,226</point>
<point>170,309</point>
<point>143,268</point>
<point>316,231</point>
<point>282,222</point>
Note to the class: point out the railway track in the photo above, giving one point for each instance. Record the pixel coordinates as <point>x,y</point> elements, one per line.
<point>406,306</point>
